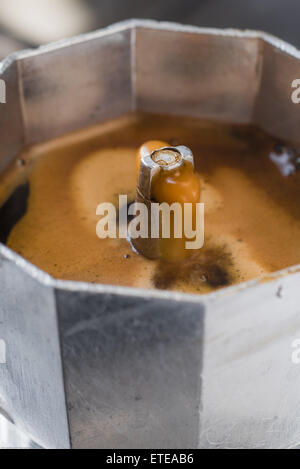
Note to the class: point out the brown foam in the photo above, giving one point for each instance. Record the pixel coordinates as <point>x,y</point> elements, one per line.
<point>252,221</point>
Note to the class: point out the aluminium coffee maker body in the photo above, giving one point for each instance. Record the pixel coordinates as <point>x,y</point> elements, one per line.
<point>93,366</point>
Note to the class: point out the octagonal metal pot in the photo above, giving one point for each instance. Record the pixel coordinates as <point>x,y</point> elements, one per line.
<point>92,366</point>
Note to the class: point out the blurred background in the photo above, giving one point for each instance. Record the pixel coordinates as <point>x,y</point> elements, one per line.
<point>29,23</point>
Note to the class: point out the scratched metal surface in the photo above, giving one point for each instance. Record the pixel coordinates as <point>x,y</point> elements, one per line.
<point>148,368</point>
<point>132,370</point>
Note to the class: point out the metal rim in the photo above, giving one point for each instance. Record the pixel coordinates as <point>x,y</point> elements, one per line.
<point>44,278</point>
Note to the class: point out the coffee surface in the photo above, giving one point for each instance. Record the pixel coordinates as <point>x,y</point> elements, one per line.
<point>252,211</point>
